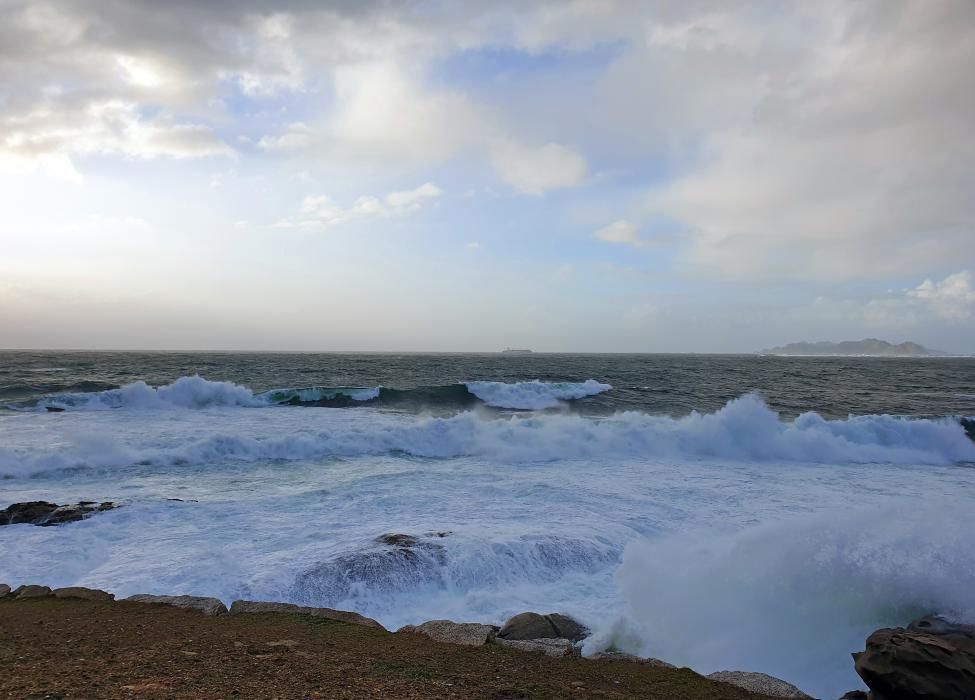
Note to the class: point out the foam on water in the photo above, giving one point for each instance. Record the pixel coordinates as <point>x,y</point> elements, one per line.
<point>728,539</point>
<point>794,599</point>
<point>533,395</point>
<point>185,392</point>
<point>195,392</point>
<point>746,429</point>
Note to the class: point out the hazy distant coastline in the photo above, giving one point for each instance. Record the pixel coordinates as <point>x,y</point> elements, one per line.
<point>868,347</point>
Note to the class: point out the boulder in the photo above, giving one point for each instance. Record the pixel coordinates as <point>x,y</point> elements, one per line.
<point>530,625</point>
<point>467,633</point>
<point>630,658</point>
<point>549,647</point>
<point>243,607</point>
<point>4,590</point>
<point>45,514</point>
<point>901,663</point>
<point>83,593</point>
<point>398,539</point>
<point>22,592</point>
<point>208,606</point>
<point>758,683</point>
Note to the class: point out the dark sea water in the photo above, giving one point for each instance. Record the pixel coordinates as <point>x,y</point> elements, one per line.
<point>716,511</point>
<point>660,384</point>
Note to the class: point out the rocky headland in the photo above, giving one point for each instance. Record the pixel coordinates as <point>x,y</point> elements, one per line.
<point>931,658</point>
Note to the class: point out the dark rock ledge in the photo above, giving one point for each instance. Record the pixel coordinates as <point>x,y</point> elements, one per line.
<point>931,658</point>
<point>45,514</point>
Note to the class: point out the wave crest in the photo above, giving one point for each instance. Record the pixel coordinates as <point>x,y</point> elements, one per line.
<point>196,392</point>
<point>744,430</point>
<point>534,395</point>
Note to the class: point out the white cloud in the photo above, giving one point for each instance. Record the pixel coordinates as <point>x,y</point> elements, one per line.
<point>854,158</point>
<point>952,298</point>
<point>621,231</point>
<point>535,170</point>
<point>950,301</point>
<point>413,199</point>
<point>106,127</point>
<point>321,211</point>
<point>384,111</point>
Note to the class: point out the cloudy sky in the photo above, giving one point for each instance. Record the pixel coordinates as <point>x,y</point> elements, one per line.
<point>580,175</point>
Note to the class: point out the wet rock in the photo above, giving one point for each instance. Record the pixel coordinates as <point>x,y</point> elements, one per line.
<point>4,590</point>
<point>530,625</point>
<point>399,562</point>
<point>549,647</point>
<point>937,625</point>
<point>208,606</point>
<point>758,683</point>
<point>466,633</point>
<point>398,540</point>
<point>630,658</point>
<point>902,663</point>
<point>45,514</point>
<point>243,607</point>
<point>23,592</point>
<point>83,593</point>
<point>54,409</point>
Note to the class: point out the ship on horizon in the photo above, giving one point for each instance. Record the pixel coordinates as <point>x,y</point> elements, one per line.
<point>516,351</point>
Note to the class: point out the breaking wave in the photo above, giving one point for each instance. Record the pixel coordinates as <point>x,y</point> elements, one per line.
<point>744,430</point>
<point>371,578</point>
<point>794,598</point>
<point>197,392</point>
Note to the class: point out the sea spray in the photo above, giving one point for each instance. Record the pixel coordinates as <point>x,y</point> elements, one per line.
<point>745,430</point>
<point>793,598</point>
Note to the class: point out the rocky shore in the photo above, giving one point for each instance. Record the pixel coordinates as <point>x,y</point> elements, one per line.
<point>74,643</point>
<point>930,658</point>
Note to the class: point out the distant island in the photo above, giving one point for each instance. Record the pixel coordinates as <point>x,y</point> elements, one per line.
<point>870,347</point>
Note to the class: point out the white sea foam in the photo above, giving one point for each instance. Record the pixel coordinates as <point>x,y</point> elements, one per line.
<point>185,392</point>
<point>319,393</point>
<point>195,392</point>
<point>794,599</point>
<point>745,430</point>
<point>534,395</point>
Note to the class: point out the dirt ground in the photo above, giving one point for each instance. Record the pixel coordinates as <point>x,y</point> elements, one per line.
<point>51,648</point>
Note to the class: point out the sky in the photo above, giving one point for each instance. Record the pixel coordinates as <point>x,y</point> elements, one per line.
<point>575,175</point>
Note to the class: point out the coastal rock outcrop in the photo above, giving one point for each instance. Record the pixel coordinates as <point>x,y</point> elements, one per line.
<point>45,514</point>
<point>548,646</point>
<point>932,658</point>
<point>530,625</point>
<point>391,563</point>
<point>31,591</point>
<point>243,607</point>
<point>208,606</point>
<point>758,683</point>
<point>466,633</point>
<point>83,593</point>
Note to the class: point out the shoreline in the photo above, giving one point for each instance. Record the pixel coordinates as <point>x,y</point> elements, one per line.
<point>76,642</point>
<point>60,648</point>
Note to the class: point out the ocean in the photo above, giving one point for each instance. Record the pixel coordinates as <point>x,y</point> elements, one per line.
<point>715,511</point>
